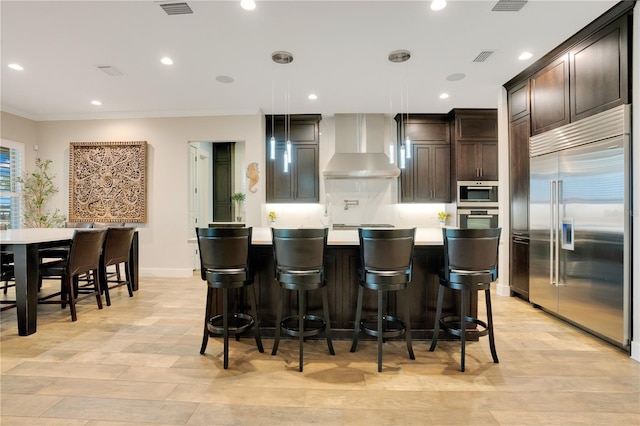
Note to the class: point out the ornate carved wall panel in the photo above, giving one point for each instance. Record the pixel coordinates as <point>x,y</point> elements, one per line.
<point>108,182</point>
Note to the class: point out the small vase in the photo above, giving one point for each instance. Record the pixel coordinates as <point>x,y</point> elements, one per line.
<point>272,223</point>
<point>442,223</point>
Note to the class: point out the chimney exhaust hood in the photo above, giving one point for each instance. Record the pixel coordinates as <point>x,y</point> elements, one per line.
<point>359,152</point>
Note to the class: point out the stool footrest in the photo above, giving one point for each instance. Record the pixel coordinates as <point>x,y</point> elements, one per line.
<point>313,325</point>
<point>453,325</point>
<point>395,327</point>
<point>238,323</point>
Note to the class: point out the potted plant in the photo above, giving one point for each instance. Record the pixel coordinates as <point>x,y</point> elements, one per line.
<point>442,217</point>
<point>36,189</point>
<point>238,198</point>
<point>272,217</point>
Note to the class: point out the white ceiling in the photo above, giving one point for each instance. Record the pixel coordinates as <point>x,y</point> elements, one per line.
<point>340,51</point>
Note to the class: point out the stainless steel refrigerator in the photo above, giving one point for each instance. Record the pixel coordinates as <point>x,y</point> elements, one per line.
<point>580,224</point>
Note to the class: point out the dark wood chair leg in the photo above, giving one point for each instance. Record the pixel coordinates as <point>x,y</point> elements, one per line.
<point>356,329</point>
<point>276,341</point>
<point>225,327</point>
<point>463,326</point>
<point>72,301</point>
<point>407,314</point>
<point>492,343</point>
<point>327,330</point>
<point>302,310</point>
<point>207,314</point>
<point>436,325</point>
<point>380,315</point>
<point>254,309</point>
<point>97,283</point>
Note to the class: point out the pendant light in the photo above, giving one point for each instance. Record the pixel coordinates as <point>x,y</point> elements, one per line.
<point>401,56</point>
<point>282,57</point>
<point>272,142</point>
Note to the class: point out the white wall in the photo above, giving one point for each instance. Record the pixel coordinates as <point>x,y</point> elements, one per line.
<point>164,249</point>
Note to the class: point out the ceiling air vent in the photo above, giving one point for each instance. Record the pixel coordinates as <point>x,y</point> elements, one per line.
<point>176,8</point>
<point>111,71</point>
<point>483,56</point>
<point>509,5</point>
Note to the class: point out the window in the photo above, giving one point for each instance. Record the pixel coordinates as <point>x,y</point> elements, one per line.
<point>11,166</point>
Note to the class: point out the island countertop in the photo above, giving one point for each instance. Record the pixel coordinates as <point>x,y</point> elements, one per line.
<point>339,237</point>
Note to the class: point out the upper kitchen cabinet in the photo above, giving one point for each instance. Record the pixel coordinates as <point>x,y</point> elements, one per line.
<point>299,182</point>
<point>519,175</point>
<point>599,71</point>
<point>550,96</point>
<point>426,177</point>
<point>476,144</point>
<point>518,100</point>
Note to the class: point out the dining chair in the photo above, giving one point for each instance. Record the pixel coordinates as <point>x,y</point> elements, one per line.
<point>470,265</point>
<point>386,262</point>
<point>84,258</point>
<point>299,258</point>
<point>116,251</point>
<point>225,265</point>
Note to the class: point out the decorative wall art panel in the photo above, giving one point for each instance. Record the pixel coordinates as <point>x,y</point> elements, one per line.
<point>108,182</point>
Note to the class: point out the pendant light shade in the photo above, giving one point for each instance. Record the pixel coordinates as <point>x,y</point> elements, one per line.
<point>272,147</point>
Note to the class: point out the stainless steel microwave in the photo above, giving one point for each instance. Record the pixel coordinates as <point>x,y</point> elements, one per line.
<point>477,193</point>
<point>477,218</point>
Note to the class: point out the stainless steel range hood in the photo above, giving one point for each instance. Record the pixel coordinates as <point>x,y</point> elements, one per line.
<point>360,149</point>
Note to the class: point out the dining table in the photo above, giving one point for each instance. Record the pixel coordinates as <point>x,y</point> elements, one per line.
<point>25,243</point>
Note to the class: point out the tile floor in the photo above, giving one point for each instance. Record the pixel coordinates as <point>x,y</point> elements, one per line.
<point>137,362</point>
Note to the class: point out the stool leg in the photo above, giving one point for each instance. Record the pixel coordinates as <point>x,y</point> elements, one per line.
<point>492,343</point>
<point>276,341</point>
<point>207,314</point>
<point>327,330</point>
<point>407,314</point>
<point>225,326</point>
<point>72,301</point>
<point>463,326</point>
<point>380,315</point>
<point>356,328</point>
<point>252,300</point>
<point>302,310</point>
<point>436,325</point>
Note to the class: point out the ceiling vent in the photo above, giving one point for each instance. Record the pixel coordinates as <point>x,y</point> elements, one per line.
<point>509,5</point>
<point>176,8</point>
<point>483,56</point>
<point>111,71</point>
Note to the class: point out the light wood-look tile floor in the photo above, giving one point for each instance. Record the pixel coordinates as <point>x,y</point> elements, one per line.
<point>138,362</point>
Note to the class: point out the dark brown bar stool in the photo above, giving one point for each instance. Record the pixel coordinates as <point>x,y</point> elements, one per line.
<point>224,260</point>
<point>299,256</point>
<point>84,258</point>
<point>386,261</point>
<point>470,264</point>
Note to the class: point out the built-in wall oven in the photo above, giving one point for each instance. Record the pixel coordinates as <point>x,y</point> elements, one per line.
<point>477,193</point>
<point>478,218</point>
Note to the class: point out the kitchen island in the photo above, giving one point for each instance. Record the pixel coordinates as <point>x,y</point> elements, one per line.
<point>341,267</point>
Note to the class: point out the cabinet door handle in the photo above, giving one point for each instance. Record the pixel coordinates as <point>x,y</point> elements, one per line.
<point>480,171</point>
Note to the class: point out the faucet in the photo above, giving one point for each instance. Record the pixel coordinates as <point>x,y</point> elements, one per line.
<point>348,203</point>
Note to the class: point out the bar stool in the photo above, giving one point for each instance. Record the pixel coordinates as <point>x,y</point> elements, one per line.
<point>299,266</point>
<point>386,261</point>
<point>117,246</point>
<point>224,260</point>
<point>470,264</point>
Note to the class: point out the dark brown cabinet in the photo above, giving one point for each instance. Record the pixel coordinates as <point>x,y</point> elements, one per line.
<point>518,100</point>
<point>598,71</point>
<point>550,96</point>
<point>299,182</point>
<point>476,144</point>
<point>519,270</point>
<point>426,177</point>
<point>519,131</point>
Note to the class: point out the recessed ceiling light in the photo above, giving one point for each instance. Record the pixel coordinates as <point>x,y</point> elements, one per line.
<point>456,77</point>
<point>313,96</point>
<point>224,79</point>
<point>16,67</point>
<point>248,4</point>
<point>438,4</point>
<point>96,103</point>
<point>525,55</point>
<point>167,60</point>
<point>444,95</point>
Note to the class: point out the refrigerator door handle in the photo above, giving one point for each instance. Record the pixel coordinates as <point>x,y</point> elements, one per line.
<point>552,199</point>
<point>558,227</point>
